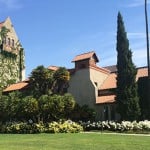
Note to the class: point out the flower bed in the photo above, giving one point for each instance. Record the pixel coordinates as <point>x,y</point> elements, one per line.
<point>53,127</point>
<point>124,126</point>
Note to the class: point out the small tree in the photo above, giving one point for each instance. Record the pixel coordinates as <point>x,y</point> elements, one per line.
<point>41,80</point>
<point>127,97</point>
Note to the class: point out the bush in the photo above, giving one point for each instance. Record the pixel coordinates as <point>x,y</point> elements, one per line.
<point>21,128</point>
<point>124,126</point>
<point>30,127</point>
<point>64,127</point>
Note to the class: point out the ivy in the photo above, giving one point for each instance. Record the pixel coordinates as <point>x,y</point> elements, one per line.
<point>11,64</point>
<point>8,54</point>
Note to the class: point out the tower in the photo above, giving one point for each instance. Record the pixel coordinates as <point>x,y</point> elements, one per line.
<point>12,65</point>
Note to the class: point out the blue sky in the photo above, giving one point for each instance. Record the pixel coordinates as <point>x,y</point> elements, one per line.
<point>53,32</point>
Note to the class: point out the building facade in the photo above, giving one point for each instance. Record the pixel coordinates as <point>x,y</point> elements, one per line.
<point>91,85</point>
<point>96,86</point>
<point>12,59</point>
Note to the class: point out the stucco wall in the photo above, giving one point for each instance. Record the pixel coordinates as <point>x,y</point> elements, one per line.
<point>98,77</point>
<point>81,87</point>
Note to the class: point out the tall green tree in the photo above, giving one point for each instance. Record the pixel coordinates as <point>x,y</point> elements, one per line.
<point>126,96</point>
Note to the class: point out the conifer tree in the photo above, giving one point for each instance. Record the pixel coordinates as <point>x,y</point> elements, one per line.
<point>126,96</point>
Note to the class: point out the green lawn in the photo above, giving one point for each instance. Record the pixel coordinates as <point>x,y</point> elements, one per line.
<point>77,141</point>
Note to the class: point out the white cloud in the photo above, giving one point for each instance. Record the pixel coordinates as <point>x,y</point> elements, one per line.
<point>137,3</point>
<point>10,4</point>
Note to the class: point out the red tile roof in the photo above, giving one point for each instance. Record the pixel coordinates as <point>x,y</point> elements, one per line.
<point>104,70</point>
<point>105,99</point>
<point>110,81</point>
<point>85,56</point>
<point>54,68</point>
<point>112,68</point>
<point>16,86</point>
<point>142,72</point>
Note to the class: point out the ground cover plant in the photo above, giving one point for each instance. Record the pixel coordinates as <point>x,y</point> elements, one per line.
<point>80,141</point>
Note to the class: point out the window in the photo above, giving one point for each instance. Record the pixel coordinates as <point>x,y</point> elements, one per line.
<point>13,43</point>
<point>9,41</point>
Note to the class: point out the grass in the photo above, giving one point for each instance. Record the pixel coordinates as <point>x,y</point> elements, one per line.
<point>78,141</point>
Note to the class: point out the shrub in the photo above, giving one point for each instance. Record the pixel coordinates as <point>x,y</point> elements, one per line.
<point>64,127</point>
<point>30,127</point>
<point>21,128</point>
<point>124,126</point>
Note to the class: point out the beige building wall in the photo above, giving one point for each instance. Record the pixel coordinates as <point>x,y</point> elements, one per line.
<point>84,85</point>
<point>81,87</point>
<point>97,77</point>
<point>11,67</point>
<point>12,34</point>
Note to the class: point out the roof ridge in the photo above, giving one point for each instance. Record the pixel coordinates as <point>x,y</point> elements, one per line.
<point>86,53</point>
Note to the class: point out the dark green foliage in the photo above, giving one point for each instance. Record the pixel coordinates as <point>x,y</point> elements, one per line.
<point>29,108</point>
<point>21,62</point>
<point>6,54</point>
<point>127,97</point>
<point>55,107</point>
<point>84,113</point>
<point>44,81</point>
<point>44,100</point>
<point>41,80</point>
<point>144,99</point>
<point>15,107</point>
<point>10,106</point>
<point>61,78</point>
<point>3,33</point>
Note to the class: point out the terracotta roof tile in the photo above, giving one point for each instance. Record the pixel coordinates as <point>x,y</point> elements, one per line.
<point>112,68</point>
<point>110,81</point>
<point>105,99</point>
<point>142,72</point>
<point>85,56</point>
<point>104,70</point>
<point>54,68</point>
<point>16,86</point>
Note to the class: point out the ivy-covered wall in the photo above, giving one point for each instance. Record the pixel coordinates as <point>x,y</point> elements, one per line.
<point>12,64</point>
<point>11,67</point>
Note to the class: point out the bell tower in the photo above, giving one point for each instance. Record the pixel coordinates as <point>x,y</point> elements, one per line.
<point>12,59</point>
